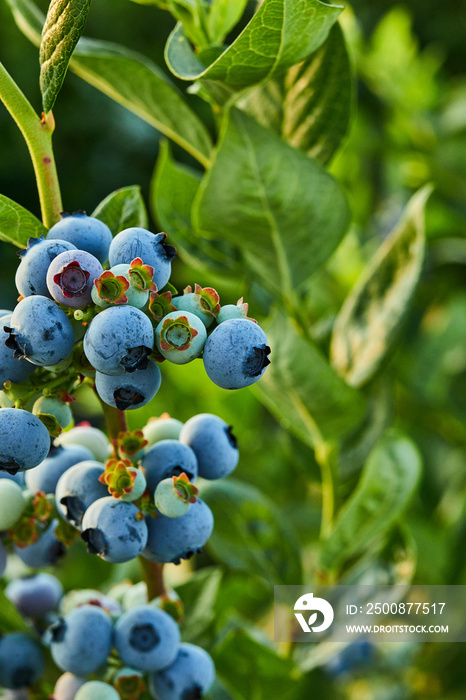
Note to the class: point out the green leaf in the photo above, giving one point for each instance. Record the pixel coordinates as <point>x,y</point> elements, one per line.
<point>139,85</point>
<point>310,106</point>
<point>251,534</point>
<point>29,18</point>
<point>387,484</point>
<point>199,595</point>
<point>301,389</point>
<point>292,212</point>
<point>173,189</point>
<point>222,16</point>
<point>281,33</point>
<point>252,669</point>
<point>130,79</point>
<point>357,445</point>
<point>191,14</point>
<point>63,26</point>
<point>11,619</point>
<point>17,224</point>
<point>123,208</point>
<point>371,316</point>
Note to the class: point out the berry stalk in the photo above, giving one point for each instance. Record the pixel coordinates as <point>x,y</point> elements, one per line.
<point>37,132</point>
<point>152,573</point>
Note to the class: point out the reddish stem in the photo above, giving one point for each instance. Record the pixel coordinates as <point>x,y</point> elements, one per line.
<point>152,574</point>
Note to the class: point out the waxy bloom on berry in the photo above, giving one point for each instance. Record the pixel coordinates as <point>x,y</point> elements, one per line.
<point>180,337</point>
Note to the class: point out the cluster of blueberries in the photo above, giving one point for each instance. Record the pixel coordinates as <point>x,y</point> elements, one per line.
<point>126,319</point>
<point>84,628</point>
<point>143,503</point>
<point>101,309</point>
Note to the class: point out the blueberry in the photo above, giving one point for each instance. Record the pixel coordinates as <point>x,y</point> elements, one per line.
<point>81,641</point>
<point>40,331</point>
<point>162,428</point>
<point>67,686</point>
<point>12,503</point>
<point>45,476</point>
<point>45,552</point>
<point>116,286</point>
<point>113,529</point>
<point>92,438</point>
<point>24,440</point>
<point>3,559</point>
<point>70,278</point>
<point>139,486</point>
<point>130,390</point>
<point>173,539</point>
<point>119,340</point>
<point>213,443</point>
<point>129,682</point>
<point>31,275</point>
<point>21,661</point>
<point>236,354</point>
<point>136,242</point>
<point>203,303</point>
<point>168,501</point>
<point>180,337</point>
<point>84,232</point>
<point>54,406</point>
<point>168,458</point>
<point>78,488</point>
<point>189,677</point>
<point>229,311</point>
<point>11,368</point>
<point>147,638</point>
<point>97,690</point>
<point>35,596</point>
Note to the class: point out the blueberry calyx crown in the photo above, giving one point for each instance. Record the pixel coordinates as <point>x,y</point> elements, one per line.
<point>72,279</point>
<point>66,214</point>
<point>9,465</point>
<point>136,358</point>
<point>95,540</point>
<point>74,508</point>
<point>160,305</point>
<point>177,334</point>
<point>169,251</point>
<point>257,360</point>
<point>112,287</point>
<point>57,630</point>
<point>13,342</point>
<point>124,398</point>
<point>30,244</point>
<point>144,638</point>
<point>231,437</point>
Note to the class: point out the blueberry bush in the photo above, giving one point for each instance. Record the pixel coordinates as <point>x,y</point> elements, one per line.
<point>134,565</point>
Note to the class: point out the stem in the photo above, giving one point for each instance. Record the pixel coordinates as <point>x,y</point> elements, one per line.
<point>37,133</point>
<point>152,574</point>
<point>115,420</point>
